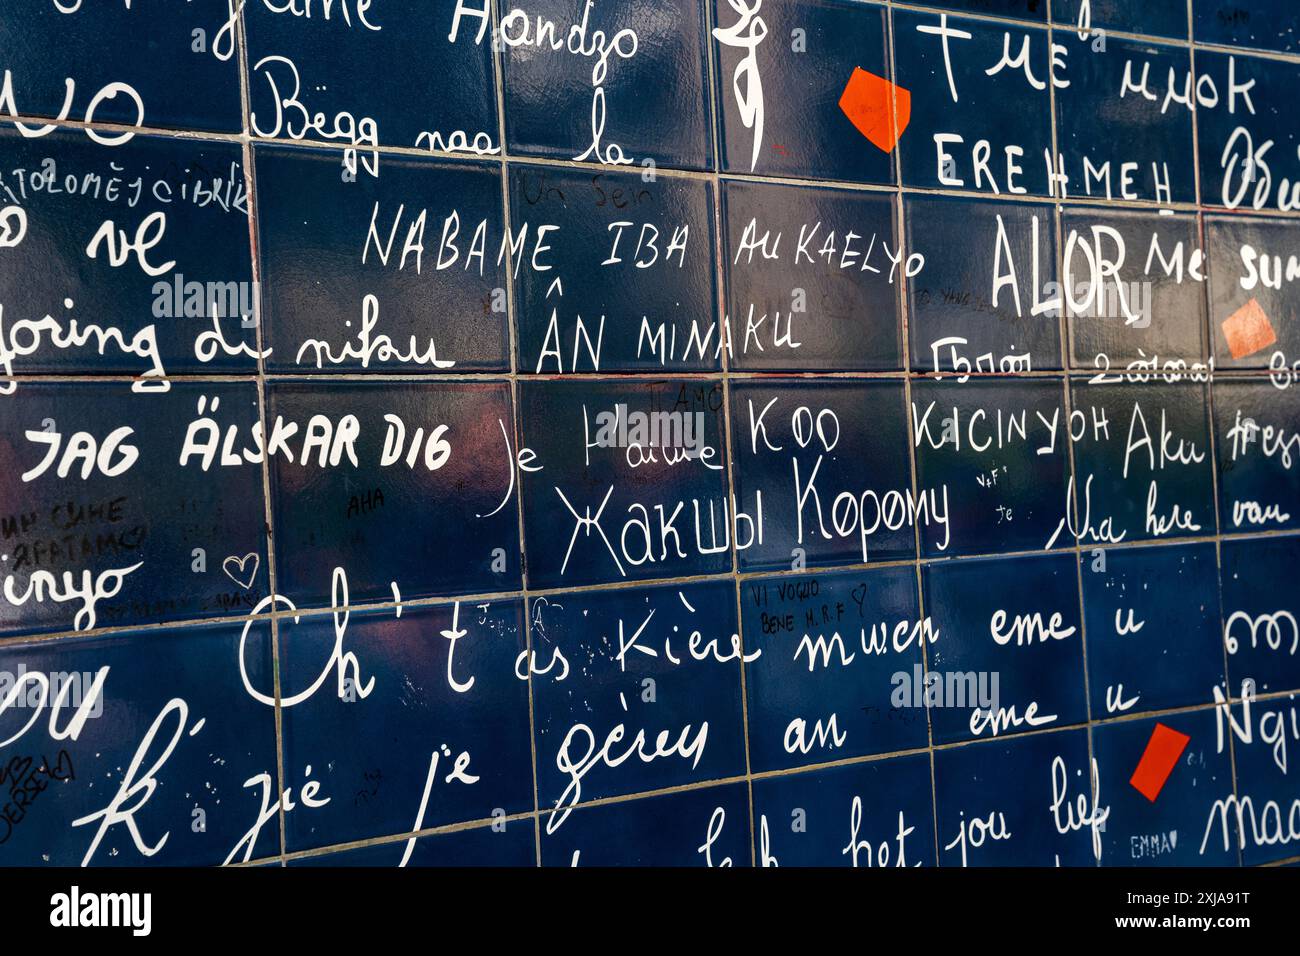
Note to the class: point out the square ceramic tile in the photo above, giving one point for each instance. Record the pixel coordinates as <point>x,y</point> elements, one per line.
<point>113,490</point>
<point>592,83</point>
<point>804,90</point>
<point>830,661</point>
<point>812,279</point>
<point>403,273</point>
<point>617,272</point>
<point>403,722</point>
<point>362,75</point>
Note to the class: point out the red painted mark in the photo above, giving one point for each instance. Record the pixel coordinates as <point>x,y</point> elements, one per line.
<point>1158,761</point>
<point>1248,330</point>
<point>871,102</point>
<point>779,148</point>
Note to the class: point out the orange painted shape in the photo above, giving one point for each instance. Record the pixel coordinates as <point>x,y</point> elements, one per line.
<point>870,102</point>
<point>1248,330</point>
<point>1158,761</point>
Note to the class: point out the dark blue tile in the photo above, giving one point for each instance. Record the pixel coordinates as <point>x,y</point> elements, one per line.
<point>144,747</point>
<point>972,129</point>
<point>1136,293</point>
<point>426,293</point>
<point>386,480</point>
<point>1260,611</point>
<point>995,307</point>
<point>142,248</point>
<point>708,827</point>
<point>1142,459</point>
<point>1160,18</point>
<point>827,654</point>
<point>1261,817</point>
<point>1154,639</point>
<point>1122,130</point>
<point>996,450</point>
<point>404,722</point>
<point>1246,131</point>
<point>618,272</point>
<point>598,83</point>
<point>812,278</point>
<point>110,516</point>
<point>1008,647</point>
<point>412,74</point>
<point>635,690</point>
<point>1254,264</point>
<point>509,843</point>
<point>1266,24</point>
<point>1021,9</point>
<point>628,481</point>
<point>1020,802</point>
<point>176,65</point>
<point>824,459</point>
<point>876,814</point>
<point>1257,447</point>
<point>1173,829</point>
<point>785,72</point>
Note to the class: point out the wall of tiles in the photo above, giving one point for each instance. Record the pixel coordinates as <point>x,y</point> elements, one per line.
<point>705,432</point>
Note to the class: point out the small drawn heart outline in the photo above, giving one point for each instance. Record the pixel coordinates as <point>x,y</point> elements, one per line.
<point>241,564</point>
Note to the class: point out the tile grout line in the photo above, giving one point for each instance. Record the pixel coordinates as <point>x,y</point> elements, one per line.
<point>255,252</point>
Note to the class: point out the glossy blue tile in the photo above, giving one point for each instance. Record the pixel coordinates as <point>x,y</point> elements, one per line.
<point>110,517</point>
<point>1124,122</point>
<point>594,82</point>
<point>143,747</point>
<point>403,723</point>
<point>1260,611</point>
<point>876,814</point>
<point>626,481</point>
<point>1175,828</point>
<point>1142,460</point>
<point>386,480</point>
<point>1260,818</point>
<point>635,690</point>
<point>708,827</point>
<point>971,128</point>
<point>1154,638</point>
<point>1258,466</point>
<point>994,451</point>
<point>1008,647</point>
<point>822,459</point>
<point>426,292</point>
<point>416,75</point>
<point>1000,299</point>
<point>509,843</point>
<point>129,260</point>
<point>168,65</point>
<point>1021,802</point>
<point>1159,18</point>
<point>1246,131</point>
<point>1134,291</point>
<point>812,279</point>
<point>1020,9</point>
<point>787,74</point>
<point>618,271</point>
<point>1266,24</point>
<point>1254,264</point>
<point>828,654</point>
